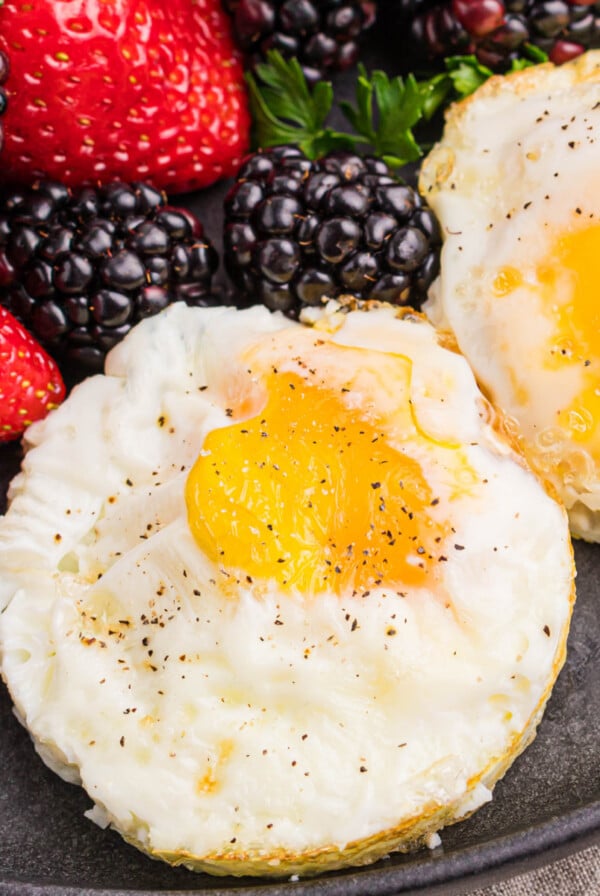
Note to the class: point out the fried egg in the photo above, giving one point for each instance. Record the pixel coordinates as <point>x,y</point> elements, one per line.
<point>515,182</point>
<point>281,598</point>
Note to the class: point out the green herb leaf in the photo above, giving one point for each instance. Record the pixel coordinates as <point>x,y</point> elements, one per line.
<point>532,56</point>
<point>466,74</point>
<point>385,113</point>
<point>285,110</point>
<point>434,94</point>
<point>360,116</point>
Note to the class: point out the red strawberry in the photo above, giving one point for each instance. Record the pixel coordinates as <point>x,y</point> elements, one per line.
<point>30,382</point>
<point>122,89</point>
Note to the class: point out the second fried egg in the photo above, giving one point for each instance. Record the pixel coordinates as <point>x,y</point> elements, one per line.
<point>515,182</point>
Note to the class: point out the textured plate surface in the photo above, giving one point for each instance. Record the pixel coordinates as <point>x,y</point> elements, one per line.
<point>548,803</point>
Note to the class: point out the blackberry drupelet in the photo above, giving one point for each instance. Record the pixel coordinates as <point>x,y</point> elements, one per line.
<point>79,269</point>
<point>324,35</point>
<point>497,31</point>
<point>299,232</point>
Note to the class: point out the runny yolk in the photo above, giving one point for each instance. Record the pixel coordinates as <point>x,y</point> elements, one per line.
<point>568,283</point>
<point>310,493</point>
<point>577,255</point>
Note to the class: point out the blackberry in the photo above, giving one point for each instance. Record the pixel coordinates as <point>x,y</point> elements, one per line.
<point>323,35</point>
<point>298,232</point>
<point>497,32</point>
<point>79,269</point>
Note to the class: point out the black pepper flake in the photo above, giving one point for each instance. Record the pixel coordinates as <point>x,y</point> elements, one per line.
<point>459,547</point>
<point>376,485</point>
<point>122,741</point>
<point>546,630</point>
<point>363,768</point>
<point>354,625</point>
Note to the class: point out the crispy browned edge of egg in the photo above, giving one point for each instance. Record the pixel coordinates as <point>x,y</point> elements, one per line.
<point>438,165</point>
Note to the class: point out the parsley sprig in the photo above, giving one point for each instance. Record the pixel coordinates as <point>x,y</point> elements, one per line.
<point>385,113</point>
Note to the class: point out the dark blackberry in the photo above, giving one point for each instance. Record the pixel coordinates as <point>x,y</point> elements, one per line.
<point>80,269</point>
<point>496,31</point>
<point>324,35</point>
<point>298,232</point>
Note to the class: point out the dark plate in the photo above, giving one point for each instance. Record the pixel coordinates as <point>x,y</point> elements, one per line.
<point>548,803</point>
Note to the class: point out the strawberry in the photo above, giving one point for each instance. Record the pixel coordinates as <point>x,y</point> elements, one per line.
<point>30,382</point>
<point>122,89</point>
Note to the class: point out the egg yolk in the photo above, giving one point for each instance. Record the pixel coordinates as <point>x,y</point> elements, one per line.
<point>310,493</point>
<point>578,330</point>
<point>567,281</point>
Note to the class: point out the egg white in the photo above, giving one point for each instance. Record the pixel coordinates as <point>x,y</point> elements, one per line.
<point>515,171</point>
<point>269,732</point>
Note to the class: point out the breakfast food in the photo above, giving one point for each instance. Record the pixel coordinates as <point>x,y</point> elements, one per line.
<point>127,89</point>
<point>30,382</point>
<point>80,267</point>
<point>515,184</point>
<point>497,31</point>
<point>312,599</point>
<point>298,232</point>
